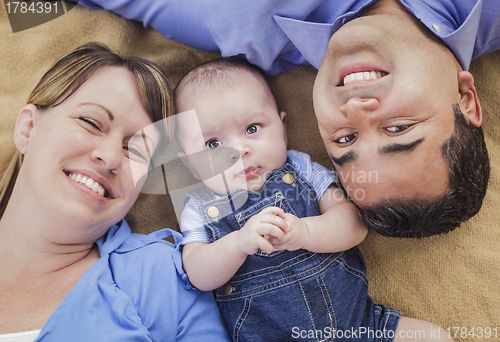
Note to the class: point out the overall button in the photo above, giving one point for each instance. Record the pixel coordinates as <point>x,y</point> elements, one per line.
<point>288,178</point>
<point>228,289</point>
<point>213,211</point>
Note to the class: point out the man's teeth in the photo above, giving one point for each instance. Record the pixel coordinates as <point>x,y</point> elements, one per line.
<point>362,76</point>
<point>88,182</point>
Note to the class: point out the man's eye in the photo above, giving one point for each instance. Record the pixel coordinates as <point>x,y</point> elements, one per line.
<point>346,139</point>
<point>213,143</point>
<point>397,129</point>
<point>254,128</point>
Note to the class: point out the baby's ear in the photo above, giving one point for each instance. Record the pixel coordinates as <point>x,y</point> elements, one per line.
<point>26,121</point>
<point>285,123</point>
<point>283,118</point>
<point>185,160</point>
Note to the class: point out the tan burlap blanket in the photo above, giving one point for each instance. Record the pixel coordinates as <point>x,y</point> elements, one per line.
<point>451,280</point>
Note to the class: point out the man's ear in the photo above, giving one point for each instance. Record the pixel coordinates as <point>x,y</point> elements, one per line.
<point>26,121</point>
<point>185,160</point>
<point>469,102</point>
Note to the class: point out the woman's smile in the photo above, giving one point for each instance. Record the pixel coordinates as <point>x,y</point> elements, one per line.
<point>89,182</point>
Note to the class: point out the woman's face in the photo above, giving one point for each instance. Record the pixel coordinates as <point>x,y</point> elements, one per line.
<point>81,156</point>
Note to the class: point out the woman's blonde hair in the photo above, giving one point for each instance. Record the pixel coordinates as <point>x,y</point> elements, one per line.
<point>70,72</point>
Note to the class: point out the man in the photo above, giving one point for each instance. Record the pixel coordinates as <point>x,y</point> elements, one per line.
<point>399,116</point>
<point>385,108</point>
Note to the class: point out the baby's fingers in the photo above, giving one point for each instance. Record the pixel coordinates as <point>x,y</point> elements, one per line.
<point>266,246</point>
<point>275,241</point>
<point>271,231</point>
<point>273,210</point>
<point>274,220</point>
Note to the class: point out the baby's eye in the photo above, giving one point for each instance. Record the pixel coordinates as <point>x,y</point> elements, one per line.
<point>254,128</point>
<point>213,143</point>
<point>347,139</point>
<point>397,129</point>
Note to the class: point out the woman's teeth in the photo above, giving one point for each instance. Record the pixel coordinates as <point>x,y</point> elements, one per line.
<point>88,182</point>
<point>362,76</point>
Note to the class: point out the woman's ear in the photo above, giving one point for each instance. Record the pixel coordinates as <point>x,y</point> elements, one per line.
<point>185,160</point>
<point>469,102</point>
<point>26,121</point>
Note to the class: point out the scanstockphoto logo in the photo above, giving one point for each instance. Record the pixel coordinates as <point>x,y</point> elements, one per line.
<point>24,15</point>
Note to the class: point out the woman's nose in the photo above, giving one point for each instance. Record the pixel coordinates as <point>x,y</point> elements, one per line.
<point>109,155</point>
<point>359,108</point>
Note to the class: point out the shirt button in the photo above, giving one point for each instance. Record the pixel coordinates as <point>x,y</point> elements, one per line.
<point>436,28</point>
<point>228,289</point>
<point>288,178</point>
<point>213,212</point>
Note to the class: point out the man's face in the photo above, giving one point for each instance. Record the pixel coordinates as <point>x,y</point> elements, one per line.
<point>383,99</point>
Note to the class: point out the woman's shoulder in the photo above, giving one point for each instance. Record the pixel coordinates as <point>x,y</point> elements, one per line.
<point>148,269</point>
<point>145,260</point>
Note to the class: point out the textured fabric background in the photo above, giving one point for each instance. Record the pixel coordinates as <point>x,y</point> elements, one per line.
<point>451,280</point>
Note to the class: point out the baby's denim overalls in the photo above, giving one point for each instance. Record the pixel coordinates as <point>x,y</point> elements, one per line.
<point>287,296</point>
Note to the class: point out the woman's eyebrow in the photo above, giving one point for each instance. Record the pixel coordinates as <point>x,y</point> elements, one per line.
<point>111,117</point>
<point>145,138</point>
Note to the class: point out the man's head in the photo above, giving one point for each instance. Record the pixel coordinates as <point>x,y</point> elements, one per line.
<point>384,98</point>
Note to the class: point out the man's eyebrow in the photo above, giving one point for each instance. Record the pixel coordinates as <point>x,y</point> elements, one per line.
<point>388,149</point>
<point>111,117</point>
<point>396,148</point>
<point>345,158</point>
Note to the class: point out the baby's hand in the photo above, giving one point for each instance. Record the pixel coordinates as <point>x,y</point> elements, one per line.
<point>269,223</point>
<point>296,234</point>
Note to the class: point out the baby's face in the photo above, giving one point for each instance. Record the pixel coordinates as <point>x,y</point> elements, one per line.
<point>241,129</point>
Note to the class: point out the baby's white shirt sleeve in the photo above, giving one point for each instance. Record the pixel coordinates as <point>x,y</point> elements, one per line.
<point>316,174</point>
<point>191,223</point>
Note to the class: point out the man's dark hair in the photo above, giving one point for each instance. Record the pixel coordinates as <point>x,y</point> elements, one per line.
<point>469,172</point>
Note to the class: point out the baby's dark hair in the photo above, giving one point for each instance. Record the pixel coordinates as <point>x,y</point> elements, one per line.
<point>218,74</point>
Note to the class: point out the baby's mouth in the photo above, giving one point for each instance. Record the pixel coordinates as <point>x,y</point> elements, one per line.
<point>249,172</point>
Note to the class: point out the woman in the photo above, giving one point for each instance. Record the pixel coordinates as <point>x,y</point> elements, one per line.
<point>65,275</point>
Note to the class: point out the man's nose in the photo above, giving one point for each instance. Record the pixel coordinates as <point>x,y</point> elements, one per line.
<point>358,108</point>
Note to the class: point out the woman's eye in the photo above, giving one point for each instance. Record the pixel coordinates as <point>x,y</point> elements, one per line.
<point>346,139</point>
<point>213,143</point>
<point>397,129</point>
<point>90,122</point>
<point>253,129</point>
<point>134,153</point>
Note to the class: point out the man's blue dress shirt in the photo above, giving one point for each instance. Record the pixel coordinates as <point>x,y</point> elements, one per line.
<point>278,35</point>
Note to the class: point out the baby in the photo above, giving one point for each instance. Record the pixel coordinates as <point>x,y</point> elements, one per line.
<point>272,234</point>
